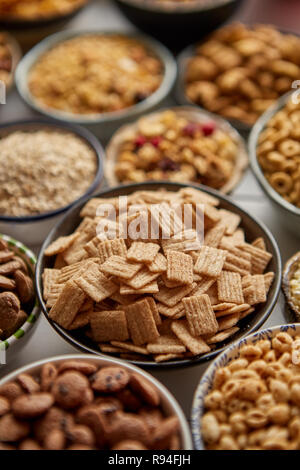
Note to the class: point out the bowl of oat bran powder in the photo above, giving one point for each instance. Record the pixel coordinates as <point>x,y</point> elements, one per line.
<point>46,167</point>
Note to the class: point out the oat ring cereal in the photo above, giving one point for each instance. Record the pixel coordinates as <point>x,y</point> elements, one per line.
<point>166,276</point>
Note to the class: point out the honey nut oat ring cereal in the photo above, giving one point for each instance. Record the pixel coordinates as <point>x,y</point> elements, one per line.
<point>239,71</point>
<point>278,152</point>
<point>254,401</point>
<point>30,10</point>
<point>78,404</point>
<point>161,292</point>
<point>180,144</point>
<point>95,73</point>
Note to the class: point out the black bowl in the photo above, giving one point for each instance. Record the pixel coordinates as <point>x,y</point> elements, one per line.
<point>252,226</point>
<point>178,24</point>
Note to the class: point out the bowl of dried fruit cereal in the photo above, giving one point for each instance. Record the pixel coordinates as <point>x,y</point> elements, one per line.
<point>291,283</point>
<point>132,273</point>
<point>10,54</point>
<point>29,21</point>
<point>274,151</point>
<point>239,71</point>
<point>178,22</point>
<point>181,144</point>
<point>19,308</point>
<point>111,78</point>
<point>249,397</point>
<point>46,167</point>
<point>84,402</point>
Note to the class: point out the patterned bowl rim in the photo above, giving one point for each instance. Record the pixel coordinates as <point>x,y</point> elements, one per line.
<point>166,395</point>
<point>30,258</point>
<point>224,358</point>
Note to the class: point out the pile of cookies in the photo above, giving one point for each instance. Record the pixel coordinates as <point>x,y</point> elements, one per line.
<point>164,297</point>
<point>16,291</point>
<point>177,145</point>
<point>77,405</point>
<point>240,70</point>
<point>278,152</point>
<point>254,402</point>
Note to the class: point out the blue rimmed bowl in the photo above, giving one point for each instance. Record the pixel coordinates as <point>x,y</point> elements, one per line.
<point>33,229</point>
<point>231,353</point>
<point>11,346</point>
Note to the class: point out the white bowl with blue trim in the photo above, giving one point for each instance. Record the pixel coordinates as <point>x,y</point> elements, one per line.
<point>223,360</point>
<point>11,346</point>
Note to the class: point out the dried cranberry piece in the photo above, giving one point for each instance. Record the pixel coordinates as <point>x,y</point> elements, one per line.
<point>208,128</point>
<point>166,164</point>
<point>140,141</point>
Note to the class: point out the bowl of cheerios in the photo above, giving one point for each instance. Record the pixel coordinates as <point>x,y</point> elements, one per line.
<point>274,149</point>
<point>249,397</point>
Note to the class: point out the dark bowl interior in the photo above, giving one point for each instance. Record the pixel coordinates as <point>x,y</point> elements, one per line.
<point>14,23</point>
<point>177,25</point>
<point>88,138</point>
<point>253,228</point>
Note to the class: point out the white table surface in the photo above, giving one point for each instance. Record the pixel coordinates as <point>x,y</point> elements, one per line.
<point>45,341</point>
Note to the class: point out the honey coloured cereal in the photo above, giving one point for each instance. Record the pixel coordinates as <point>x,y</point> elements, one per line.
<point>254,401</point>
<point>159,298</point>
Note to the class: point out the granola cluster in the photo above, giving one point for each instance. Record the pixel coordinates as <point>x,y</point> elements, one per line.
<point>240,71</point>
<point>77,405</point>
<point>95,74</point>
<point>164,298</point>
<point>278,152</point>
<point>34,9</point>
<point>16,292</point>
<point>176,146</point>
<point>254,402</point>
<point>42,171</point>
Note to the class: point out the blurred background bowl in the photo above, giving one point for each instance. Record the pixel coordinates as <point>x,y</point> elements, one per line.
<point>193,114</point>
<point>103,124</point>
<point>178,23</point>
<point>16,55</point>
<point>30,32</point>
<point>33,229</point>
<point>222,360</point>
<point>288,214</point>
<point>169,405</point>
<point>253,229</point>
<point>14,344</point>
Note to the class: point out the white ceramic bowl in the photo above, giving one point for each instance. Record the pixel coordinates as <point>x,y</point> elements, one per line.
<point>231,353</point>
<point>32,230</point>
<point>168,402</point>
<point>104,124</point>
<point>13,345</point>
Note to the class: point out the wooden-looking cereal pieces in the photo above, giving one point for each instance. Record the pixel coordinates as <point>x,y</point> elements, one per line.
<point>123,412</point>
<point>165,297</point>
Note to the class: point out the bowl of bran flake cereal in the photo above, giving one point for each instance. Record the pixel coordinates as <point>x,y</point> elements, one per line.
<point>97,79</point>
<point>45,168</point>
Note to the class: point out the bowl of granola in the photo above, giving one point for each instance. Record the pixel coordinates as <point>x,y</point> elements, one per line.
<point>274,146</point>
<point>46,167</point>
<point>97,79</point>
<point>19,307</point>
<point>178,22</point>
<point>248,399</point>
<point>179,144</point>
<point>10,55</point>
<point>32,20</point>
<point>159,274</point>
<point>239,71</point>
<point>84,402</point>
